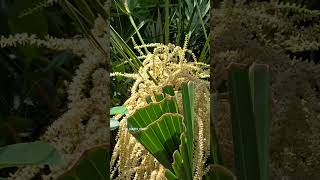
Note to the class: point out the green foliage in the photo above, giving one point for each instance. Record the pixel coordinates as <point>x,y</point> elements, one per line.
<point>154,21</point>
<point>178,21</point>
<point>34,153</point>
<point>249,100</point>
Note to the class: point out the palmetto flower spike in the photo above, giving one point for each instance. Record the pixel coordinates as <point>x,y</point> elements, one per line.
<point>170,66</point>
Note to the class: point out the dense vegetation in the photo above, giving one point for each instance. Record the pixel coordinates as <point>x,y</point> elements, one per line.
<point>56,57</point>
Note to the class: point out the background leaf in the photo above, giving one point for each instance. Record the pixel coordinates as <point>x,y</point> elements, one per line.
<point>118,110</point>
<point>34,153</point>
<point>114,124</point>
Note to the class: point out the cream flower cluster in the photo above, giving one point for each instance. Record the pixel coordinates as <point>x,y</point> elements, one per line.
<point>77,46</point>
<point>167,65</point>
<point>84,124</point>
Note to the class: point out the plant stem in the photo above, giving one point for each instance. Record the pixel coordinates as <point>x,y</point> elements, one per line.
<point>166,32</point>
<point>138,33</point>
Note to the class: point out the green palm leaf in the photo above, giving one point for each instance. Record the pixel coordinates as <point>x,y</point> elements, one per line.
<point>161,137</point>
<point>249,98</point>
<point>188,112</point>
<point>259,83</point>
<point>161,129</point>
<point>182,162</point>
<point>158,126</point>
<point>243,123</point>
